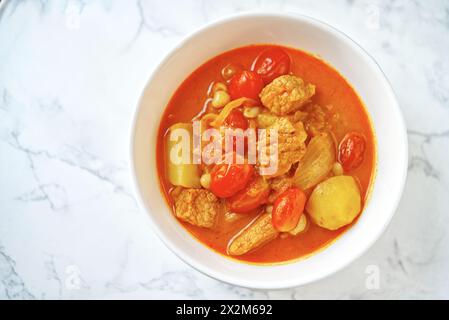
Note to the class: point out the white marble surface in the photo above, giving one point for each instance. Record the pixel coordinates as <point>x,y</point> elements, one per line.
<point>70,75</point>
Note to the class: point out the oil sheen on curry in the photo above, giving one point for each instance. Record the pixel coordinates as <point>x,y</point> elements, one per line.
<point>249,209</point>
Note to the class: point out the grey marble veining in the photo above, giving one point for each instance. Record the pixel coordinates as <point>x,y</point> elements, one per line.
<point>70,75</point>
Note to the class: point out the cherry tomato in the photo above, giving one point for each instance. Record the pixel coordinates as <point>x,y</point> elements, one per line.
<point>228,179</point>
<point>351,150</point>
<point>245,84</point>
<point>287,209</point>
<point>236,119</point>
<point>271,63</point>
<point>253,196</point>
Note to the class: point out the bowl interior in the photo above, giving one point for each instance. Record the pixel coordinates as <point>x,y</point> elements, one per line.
<point>353,63</point>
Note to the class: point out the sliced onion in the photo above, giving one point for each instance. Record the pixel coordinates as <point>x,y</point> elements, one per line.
<point>300,227</point>
<point>316,163</point>
<point>218,121</point>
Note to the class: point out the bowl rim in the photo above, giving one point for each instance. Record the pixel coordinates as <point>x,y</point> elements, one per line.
<point>221,276</point>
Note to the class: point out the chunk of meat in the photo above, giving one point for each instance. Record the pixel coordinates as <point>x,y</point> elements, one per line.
<point>258,233</point>
<point>286,94</point>
<point>290,146</point>
<point>299,115</point>
<point>199,207</point>
<point>317,120</point>
<point>283,125</point>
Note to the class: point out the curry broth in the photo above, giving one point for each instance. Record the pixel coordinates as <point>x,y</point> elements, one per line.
<point>332,91</point>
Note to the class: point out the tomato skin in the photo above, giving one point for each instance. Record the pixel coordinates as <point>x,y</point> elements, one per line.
<point>271,63</point>
<point>351,150</point>
<point>228,179</point>
<point>245,84</point>
<point>287,209</point>
<point>236,119</point>
<point>254,195</point>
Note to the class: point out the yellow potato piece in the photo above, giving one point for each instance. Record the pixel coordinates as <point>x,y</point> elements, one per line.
<point>334,202</point>
<point>185,173</point>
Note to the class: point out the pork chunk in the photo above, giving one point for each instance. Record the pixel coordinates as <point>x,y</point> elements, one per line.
<point>286,94</point>
<point>317,120</point>
<point>254,236</point>
<point>199,207</point>
<point>290,146</point>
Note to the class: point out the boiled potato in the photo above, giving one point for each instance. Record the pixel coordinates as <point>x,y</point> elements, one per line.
<point>183,174</point>
<point>334,202</point>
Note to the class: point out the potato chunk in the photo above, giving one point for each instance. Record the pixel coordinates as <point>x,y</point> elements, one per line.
<point>286,94</point>
<point>183,174</point>
<point>334,202</point>
<point>258,233</point>
<point>197,206</point>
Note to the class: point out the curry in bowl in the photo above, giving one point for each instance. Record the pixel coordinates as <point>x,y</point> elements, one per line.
<point>280,154</point>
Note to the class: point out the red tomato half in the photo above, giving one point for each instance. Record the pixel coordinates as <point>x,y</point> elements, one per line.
<point>236,119</point>
<point>228,179</point>
<point>245,84</point>
<point>271,63</point>
<point>351,150</point>
<point>287,209</point>
<point>253,196</point>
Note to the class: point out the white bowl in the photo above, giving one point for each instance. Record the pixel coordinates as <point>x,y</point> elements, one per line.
<point>353,63</point>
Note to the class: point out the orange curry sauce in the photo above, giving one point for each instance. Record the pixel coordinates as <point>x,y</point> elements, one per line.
<point>332,90</point>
